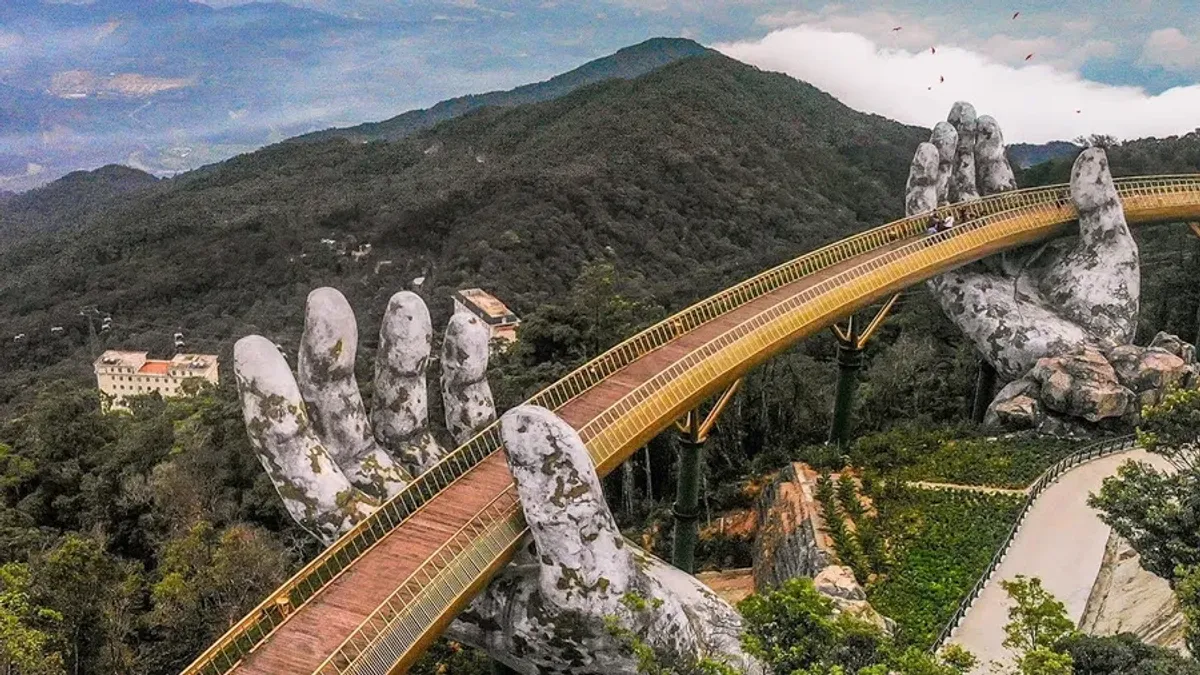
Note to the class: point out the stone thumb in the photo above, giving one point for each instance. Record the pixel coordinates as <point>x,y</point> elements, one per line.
<point>584,560</point>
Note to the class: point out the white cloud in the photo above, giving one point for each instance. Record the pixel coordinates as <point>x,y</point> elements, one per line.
<point>1171,49</point>
<point>1033,102</point>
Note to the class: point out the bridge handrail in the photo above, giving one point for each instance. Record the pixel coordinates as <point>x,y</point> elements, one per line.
<point>1048,477</point>
<point>243,636</point>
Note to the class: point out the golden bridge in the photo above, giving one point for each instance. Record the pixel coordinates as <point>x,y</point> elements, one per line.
<point>379,596</point>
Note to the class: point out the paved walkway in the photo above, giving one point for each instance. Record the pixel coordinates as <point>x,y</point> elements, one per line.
<point>1062,542</point>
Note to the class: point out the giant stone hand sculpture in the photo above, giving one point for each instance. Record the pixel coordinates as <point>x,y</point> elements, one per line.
<point>1053,319</point>
<point>551,610</point>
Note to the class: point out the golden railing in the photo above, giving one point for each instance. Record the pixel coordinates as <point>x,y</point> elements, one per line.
<point>987,225</point>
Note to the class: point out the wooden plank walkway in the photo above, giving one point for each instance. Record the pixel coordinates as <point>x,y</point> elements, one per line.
<point>317,629</point>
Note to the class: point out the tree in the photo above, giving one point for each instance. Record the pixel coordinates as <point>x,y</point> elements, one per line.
<point>796,630</point>
<point>1037,623</point>
<point>28,644</point>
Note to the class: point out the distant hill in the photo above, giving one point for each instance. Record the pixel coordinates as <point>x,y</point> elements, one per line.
<point>69,201</point>
<point>691,177</point>
<point>1025,155</point>
<point>626,63</point>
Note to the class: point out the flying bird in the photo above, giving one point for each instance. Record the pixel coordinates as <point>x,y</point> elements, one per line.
<point>1078,111</point>
<point>941,78</point>
<point>1030,56</point>
<point>933,50</point>
<point>1016,14</point>
<point>897,28</point>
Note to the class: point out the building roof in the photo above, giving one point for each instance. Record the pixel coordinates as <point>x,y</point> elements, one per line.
<point>138,360</point>
<point>487,306</point>
<point>155,367</point>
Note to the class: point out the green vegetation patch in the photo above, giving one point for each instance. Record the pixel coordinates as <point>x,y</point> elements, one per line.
<point>939,542</point>
<point>950,455</point>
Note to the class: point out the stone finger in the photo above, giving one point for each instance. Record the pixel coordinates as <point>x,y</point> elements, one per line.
<point>466,395</point>
<point>992,172</point>
<point>945,139</point>
<point>399,410</point>
<point>315,491</point>
<point>584,560</point>
<point>962,178</point>
<point>921,191</point>
<point>1098,281</point>
<point>330,389</point>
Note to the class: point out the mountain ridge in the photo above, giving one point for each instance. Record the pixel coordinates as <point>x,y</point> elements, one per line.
<point>626,63</point>
<point>688,178</point>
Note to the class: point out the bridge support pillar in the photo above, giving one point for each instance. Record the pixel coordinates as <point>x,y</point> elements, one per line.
<point>686,510</point>
<point>850,360</point>
<point>985,389</point>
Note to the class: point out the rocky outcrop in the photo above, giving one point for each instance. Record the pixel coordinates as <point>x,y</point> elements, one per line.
<point>791,540</point>
<point>1082,384</point>
<point>837,583</point>
<point>1086,391</point>
<point>1127,599</point>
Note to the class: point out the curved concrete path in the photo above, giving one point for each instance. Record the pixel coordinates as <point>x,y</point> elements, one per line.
<point>1062,542</point>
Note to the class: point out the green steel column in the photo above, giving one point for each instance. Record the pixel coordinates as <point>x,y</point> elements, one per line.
<point>985,389</point>
<point>687,505</point>
<point>849,360</point>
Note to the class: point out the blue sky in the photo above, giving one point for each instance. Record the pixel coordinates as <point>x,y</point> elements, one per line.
<point>170,84</point>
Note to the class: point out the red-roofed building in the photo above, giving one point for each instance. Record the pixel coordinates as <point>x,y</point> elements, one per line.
<point>121,374</point>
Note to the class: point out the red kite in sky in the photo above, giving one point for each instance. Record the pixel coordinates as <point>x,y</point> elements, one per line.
<point>1029,57</point>
<point>897,28</point>
<point>1016,14</point>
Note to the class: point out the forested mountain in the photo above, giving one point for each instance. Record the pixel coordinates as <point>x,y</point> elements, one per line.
<point>626,63</point>
<point>1025,155</point>
<point>69,201</point>
<point>690,177</point>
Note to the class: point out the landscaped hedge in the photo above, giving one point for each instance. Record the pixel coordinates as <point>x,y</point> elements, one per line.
<point>939,543</point>
<point>951,455</point>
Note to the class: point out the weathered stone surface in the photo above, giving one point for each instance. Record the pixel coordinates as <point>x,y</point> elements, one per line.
<point>585,571</point>
<point>922,188</point>
<point>325,375</point>
<point>791,541</point>
<point>962,178</point>
<point>1049,301</point>
<point>545,613</point>
<point>837,581</point>
<point>1096,283</point>
<point>1149,370</point>
<point>991,167</point>
<point>1083,385</point>
<point>945,139</point>
<point>313,488</point>
<point>400,412</point>
<point>1127,599</point>
<point>466,395</point>
<point>1175,345</point>
<point>1019,412</point>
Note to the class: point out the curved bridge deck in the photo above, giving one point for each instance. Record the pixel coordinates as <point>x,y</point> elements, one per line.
<point>375,599</point>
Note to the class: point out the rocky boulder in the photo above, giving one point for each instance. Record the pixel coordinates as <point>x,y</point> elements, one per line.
<point>1081,384</point>
<point>1149,371</point>
<point>837,583</point>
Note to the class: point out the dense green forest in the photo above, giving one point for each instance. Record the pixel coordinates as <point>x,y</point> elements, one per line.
<point>130,541</point>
